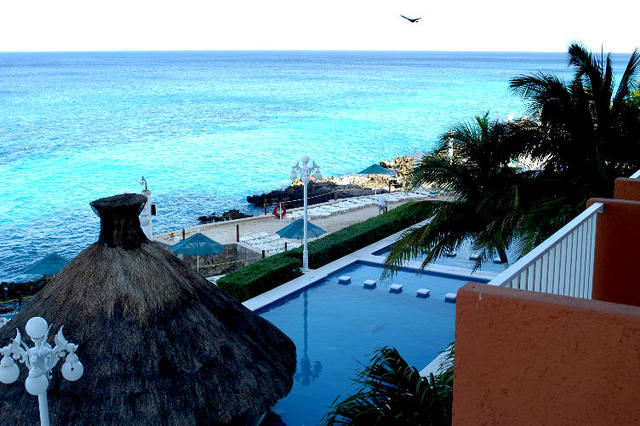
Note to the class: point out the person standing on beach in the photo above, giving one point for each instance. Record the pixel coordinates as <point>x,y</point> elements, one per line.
<point>382,203</point>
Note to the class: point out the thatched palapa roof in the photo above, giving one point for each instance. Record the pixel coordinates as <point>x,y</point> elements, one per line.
<point>159,343</point>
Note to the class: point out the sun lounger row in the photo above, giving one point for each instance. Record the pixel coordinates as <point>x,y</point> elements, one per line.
<point>331,209</point>
<point>269,242</point>
<point>358,203</point>
<point>256,237</point>
<point>277,246</point>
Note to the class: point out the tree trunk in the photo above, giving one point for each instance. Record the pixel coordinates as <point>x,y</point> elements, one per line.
<point>502,253</point>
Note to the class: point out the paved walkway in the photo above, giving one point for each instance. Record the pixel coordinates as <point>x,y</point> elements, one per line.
<point>225,232</point>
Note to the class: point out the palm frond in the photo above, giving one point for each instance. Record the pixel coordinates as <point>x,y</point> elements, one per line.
<point>624,87</point>
<point>392,392</point>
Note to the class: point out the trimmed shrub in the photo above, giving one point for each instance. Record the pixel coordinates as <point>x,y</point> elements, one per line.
<point>359,235</point>
<point>254,279</point>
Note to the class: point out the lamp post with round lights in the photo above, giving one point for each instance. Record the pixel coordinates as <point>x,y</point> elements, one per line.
<point>146,222</point>
<point>305,172</point>
<point>40,360</point>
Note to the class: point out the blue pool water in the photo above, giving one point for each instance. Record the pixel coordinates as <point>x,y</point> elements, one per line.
<point>336,327</point>
<point>209,128</point>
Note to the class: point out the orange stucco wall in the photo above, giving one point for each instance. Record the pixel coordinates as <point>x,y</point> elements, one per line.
<point>616,268</point>
<point>525,358</point>
<point>627,189</point>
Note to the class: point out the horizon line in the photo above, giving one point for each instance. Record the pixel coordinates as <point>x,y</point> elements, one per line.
<point>283,50</point>
<point>293,50</point>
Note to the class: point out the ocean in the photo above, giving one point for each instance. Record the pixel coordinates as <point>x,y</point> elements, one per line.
<point>209,128</point>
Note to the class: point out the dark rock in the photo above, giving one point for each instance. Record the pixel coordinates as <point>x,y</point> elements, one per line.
<point>6,309</point>
<point>10,291</point>
<point>229,215</point>
<point>318,192</point>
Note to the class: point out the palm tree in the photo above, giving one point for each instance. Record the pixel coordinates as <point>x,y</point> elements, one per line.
<point>591,130</point>
<point>589,135</point>
<point>473,162</point>
<point>394,393</point>
<point>585,134</point>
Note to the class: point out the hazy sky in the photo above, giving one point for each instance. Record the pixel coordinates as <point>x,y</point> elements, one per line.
<point>527,25</point>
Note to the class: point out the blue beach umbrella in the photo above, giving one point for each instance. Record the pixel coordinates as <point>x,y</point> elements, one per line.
<point>48,265</point>
<point>198,245</point>
<point>376,169</point>
<point>295,230</point>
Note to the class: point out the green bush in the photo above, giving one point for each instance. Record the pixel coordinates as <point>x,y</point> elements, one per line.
<point>252,280</point>
<point>359,235</point>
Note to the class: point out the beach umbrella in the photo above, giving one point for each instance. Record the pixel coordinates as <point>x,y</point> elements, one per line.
<point>198,245</point>
<point>377,169</point>
<point>295,230</point>
<point>48,265</point>
<point>159,343</point>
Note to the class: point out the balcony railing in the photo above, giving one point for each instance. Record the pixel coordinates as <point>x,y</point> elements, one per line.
<point>562,264</point>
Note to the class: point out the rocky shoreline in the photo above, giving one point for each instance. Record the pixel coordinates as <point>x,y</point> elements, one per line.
<point>326,189</point>
<point>318,192</point>
<point>18,291</point>
<point>232,214</point>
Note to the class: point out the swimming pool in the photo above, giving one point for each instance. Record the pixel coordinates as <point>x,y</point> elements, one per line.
<point>336,327</point>
<point>461,259</point>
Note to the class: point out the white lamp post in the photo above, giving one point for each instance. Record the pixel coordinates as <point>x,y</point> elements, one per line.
<point>146,222</point>
<point>305,175</point>
<point>40,360</point>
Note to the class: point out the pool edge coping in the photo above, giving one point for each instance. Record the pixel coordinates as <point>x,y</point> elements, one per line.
<point>364,254</point>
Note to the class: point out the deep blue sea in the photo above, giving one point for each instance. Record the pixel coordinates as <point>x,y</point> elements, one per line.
<point>209,128</point>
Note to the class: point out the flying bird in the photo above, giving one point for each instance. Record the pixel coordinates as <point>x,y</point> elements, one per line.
<point>413,21</point>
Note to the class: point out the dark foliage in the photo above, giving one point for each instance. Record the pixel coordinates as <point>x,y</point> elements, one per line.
<point>473,163</point>
<point>585,133</point>
<point>393,393</point>
<point>252,280</point>
<point>589,134</point>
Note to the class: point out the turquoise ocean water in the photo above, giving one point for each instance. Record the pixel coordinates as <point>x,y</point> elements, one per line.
<point>209,128</point>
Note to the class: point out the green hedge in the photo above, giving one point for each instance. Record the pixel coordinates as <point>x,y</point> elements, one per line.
<point>252,280</point>
<point>359,235</point>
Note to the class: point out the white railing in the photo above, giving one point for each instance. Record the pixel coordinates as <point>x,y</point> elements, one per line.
<point>562,264</point>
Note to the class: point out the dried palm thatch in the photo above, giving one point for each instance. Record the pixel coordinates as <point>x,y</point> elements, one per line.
<point>159,343</point>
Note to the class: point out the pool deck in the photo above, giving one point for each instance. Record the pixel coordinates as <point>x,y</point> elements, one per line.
<point>365,254</point>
